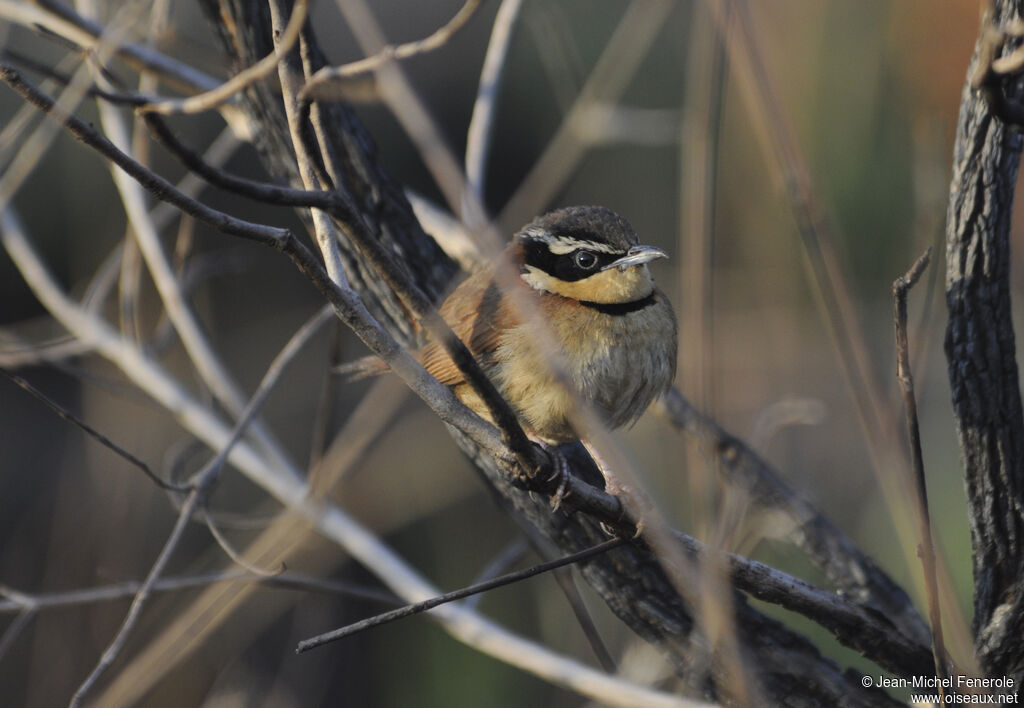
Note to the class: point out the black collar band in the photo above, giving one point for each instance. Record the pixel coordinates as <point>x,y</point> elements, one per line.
<point>620,308</point>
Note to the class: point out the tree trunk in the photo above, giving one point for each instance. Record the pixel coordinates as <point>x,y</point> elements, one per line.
<point>982,365</point>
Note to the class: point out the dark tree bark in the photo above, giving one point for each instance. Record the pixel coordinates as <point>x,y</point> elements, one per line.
<point>244,28</point>
<point>982,364</point>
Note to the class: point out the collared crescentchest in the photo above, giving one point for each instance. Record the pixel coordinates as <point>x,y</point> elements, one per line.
<point>616,330</point>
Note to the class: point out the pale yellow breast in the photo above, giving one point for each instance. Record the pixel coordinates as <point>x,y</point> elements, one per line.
<point>617,363</point>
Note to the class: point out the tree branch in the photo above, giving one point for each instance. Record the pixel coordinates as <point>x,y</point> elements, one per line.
<point>981,353</point>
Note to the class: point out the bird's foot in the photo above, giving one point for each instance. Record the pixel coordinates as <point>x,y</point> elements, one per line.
<point>559,472</point>
<point>634,502</point>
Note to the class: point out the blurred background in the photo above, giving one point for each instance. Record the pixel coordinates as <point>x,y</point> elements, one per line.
<point>870,91</point>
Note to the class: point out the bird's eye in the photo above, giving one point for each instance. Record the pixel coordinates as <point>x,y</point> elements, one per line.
<point>585,260</point>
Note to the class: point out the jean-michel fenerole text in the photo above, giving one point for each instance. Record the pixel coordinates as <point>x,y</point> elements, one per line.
<point>1003,683</point>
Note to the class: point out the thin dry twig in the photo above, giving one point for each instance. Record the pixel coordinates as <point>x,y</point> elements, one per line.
<point>61,21</point>
<point>117,644</point>
<point>481,122</point>
<point>417,608</point>
<point>207,476</point>
<point>14,630</point>
<point>235,556</point>
<point>102,439</point>
<point>201,484</point>
<point>620,59</point>
<point>21,602</point>
<point>900,289</point>
<point>260,70</point>
<point>698,137</point>
<point>194,339</point>
<point>325,83</point>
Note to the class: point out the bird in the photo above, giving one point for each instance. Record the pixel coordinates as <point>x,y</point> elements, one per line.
<point>587,275</point>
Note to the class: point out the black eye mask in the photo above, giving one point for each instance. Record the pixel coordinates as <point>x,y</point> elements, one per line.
<point>563,265</point>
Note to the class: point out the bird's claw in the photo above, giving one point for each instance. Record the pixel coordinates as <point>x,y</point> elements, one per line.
<point>560,472</point>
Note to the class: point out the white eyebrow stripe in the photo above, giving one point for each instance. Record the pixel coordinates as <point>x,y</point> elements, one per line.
<point>566,244</point>
<point>560,245</point>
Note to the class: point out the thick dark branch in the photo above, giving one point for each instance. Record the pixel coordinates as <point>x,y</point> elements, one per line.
<point>849,569</point>
<point>864,629</point>
<point>634,585</point>
<point>983,375</point>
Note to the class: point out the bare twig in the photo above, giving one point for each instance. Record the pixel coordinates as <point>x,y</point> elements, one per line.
<point>450,234</point>
<point>194,339</point>
<point>552,34</point>
<point>112,651</point>
<point>325,83</point>
<point>416,608</point>
<point>478,135</point>
<point>102,439</point>
<point>207,476</point>
<point>900,288</point>
<point>61,20</point>
<point>14,630</point>
<point>237,557</point>
<point>265,67</point>
<point>698,139</point>
<point>605,123</point>
<point>17,352</point>
<point>863,629</point>
<point>607,81</point>
<point>20,602</point>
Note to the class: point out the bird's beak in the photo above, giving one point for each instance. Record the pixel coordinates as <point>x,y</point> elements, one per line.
<point>638,255</point>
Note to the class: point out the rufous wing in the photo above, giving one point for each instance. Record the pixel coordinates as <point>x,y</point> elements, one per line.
<point>476,313</point>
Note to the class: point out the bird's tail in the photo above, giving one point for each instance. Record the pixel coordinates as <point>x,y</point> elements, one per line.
<point>362,368</point>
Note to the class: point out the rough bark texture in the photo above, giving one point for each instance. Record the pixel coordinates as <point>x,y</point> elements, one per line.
<point>243,28</point>
<point>983,370</point>
<point>786,667</point>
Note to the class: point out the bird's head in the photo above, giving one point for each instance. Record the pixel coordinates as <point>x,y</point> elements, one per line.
<point>587,253</point>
